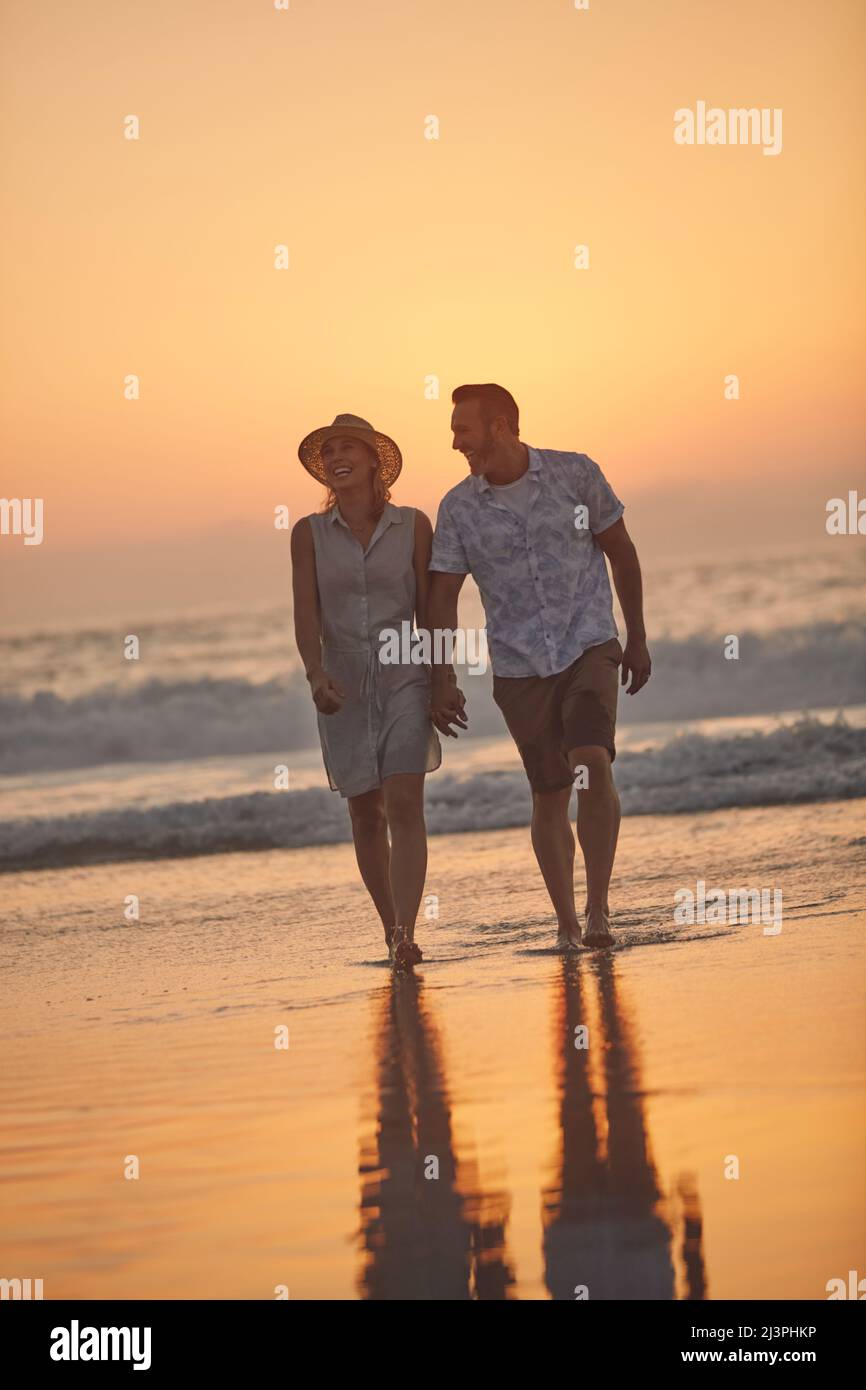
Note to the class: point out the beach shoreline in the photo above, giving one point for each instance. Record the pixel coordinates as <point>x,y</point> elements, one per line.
<point>305,1166</point>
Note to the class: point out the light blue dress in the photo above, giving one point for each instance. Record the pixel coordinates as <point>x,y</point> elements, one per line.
<point>384,725</point>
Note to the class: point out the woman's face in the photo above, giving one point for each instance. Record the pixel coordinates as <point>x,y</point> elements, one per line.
<point>349,463</point>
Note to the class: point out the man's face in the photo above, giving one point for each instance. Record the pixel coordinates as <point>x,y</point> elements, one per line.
<point>347,462</point>
<point>472,437</point>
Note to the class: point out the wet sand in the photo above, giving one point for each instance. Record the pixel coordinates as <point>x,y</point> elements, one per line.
<point>560,1167</point>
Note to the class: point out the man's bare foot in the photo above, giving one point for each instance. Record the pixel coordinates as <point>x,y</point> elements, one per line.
<point>598,932</point>
<point>568,940</point>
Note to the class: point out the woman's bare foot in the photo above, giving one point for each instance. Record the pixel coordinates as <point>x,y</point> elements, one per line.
<point>400,951</point>
<point>413,952</point>
<point>598,932</point>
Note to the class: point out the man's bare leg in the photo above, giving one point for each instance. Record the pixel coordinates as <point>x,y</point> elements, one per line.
<point>598,819</point>
<point>553,842</point>
<point>617,819</point>
<point>370,835</point>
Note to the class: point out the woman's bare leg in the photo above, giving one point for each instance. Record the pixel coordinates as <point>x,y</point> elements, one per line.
<point>404,809</point>
<point>370,834</point>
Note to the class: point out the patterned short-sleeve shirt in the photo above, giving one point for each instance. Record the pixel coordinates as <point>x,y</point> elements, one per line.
<point>543,582</point>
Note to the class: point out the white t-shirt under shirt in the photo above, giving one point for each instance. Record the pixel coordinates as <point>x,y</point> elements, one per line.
<point>515,495</point>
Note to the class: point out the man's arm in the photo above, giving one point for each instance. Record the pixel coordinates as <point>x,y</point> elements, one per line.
<point>447,705</point>
<point>619,548</point>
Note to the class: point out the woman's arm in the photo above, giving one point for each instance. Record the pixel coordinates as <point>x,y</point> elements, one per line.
<point>423,551</point>
<point>327,696</point>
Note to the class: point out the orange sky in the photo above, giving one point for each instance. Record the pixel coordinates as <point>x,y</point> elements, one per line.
<point>411,257</point>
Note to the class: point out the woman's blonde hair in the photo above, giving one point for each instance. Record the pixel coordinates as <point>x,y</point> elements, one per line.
<point>381,494</point>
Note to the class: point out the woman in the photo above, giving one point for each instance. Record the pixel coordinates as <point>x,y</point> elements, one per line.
<point>360,569</point>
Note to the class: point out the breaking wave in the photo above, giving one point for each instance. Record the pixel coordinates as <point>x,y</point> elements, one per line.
<point>803,761</point>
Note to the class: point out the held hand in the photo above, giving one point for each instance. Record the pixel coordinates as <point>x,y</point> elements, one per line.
<point>327,695</point>
<point>447,707</point>
<point>636,663</point>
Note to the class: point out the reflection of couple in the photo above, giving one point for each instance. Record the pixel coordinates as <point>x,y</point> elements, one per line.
<point>433,1226</point>
<point>532,527</point>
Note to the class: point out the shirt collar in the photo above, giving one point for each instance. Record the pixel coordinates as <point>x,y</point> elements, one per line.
<point>482,485</point>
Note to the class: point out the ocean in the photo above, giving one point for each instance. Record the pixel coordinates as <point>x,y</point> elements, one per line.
<point>178,752</point>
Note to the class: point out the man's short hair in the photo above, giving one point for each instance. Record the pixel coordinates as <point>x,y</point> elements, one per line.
<point>494,400</point>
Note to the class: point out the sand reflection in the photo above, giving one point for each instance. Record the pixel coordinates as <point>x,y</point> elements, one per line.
<point>609,1229</point>
<point>423,1237</point>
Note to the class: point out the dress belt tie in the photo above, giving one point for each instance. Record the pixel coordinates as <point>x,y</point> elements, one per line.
<point>370,678</point>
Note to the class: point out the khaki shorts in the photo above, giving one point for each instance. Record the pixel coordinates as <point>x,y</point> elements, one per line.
<point>548,715</point>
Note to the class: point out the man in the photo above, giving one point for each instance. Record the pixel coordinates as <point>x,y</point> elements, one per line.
<point>532,527</point>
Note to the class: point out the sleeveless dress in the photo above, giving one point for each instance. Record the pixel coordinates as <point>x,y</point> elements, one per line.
<point>384,725</point>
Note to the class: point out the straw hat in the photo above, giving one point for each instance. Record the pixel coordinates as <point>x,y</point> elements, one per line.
<point>310,448</point>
